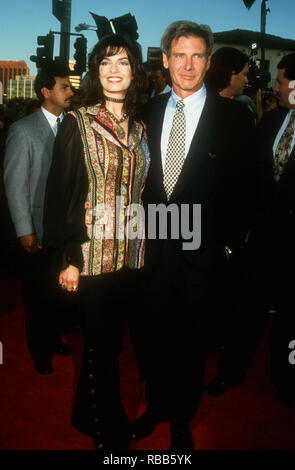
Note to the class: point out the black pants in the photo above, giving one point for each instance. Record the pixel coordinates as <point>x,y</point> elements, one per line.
<point>104,302</point>
<point>43,325</point>
<point>176,326</point>
<point>225,292</point>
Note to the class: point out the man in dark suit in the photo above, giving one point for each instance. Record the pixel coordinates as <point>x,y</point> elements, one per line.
<point>28,155</point>
<point>203,182</point>
<point>270,274</point>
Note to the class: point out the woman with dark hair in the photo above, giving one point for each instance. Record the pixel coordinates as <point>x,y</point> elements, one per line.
<point>93,227</point>
<point>228,75</point>
<point>228,72</point>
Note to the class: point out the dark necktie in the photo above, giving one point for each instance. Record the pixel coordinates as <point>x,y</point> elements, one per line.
<point>284,148</point>
<point>58,123</point>
<point>175,149</point>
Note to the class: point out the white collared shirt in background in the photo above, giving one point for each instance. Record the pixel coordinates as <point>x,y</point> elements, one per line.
<point>52,119</point>
<point>193,108</point>
<point>167,89</point>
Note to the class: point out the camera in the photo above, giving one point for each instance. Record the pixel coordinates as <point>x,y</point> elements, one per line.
<point>258,76</point>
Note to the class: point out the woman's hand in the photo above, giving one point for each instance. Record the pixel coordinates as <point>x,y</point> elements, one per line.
<point>69,278</point>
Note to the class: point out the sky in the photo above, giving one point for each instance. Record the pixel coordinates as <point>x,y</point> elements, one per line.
<point>23,20</point>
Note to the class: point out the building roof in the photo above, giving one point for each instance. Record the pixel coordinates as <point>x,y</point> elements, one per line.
<point>13,63</point>
<point>245,37</point>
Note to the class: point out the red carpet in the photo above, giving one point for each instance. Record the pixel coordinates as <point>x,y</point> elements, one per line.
<point>35,409</point>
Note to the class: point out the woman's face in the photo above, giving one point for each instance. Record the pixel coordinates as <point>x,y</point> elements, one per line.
<point>115,74</point>
<point>238,81</point>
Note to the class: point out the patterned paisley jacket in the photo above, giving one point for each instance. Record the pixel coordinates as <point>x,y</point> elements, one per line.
<point>106,189</point>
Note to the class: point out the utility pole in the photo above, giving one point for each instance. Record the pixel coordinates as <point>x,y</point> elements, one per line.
<point>61,9</point>
<point>264,12</point>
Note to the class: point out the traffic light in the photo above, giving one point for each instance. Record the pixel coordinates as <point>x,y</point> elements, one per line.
<point>44,53</point>
<point>80,55</point>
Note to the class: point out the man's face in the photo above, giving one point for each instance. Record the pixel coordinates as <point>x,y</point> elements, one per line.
<point>238,81</point>
<point>59,97</point>
<point>187,63</point>
<point>158,80</point>
<point>283,90</point>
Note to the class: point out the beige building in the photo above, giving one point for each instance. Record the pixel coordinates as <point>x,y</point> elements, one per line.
<point>21,87</point>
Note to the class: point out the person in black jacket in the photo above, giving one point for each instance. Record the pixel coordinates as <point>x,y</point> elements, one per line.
<point>100,162</point>
<point>270,274</point>
<point>205,185</point>
<point>228,75</point>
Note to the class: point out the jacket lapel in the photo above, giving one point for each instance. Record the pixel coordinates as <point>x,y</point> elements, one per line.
<point>291,160</point>
<point>201,154</point>
<point>42,122</point>
<point>43,128</point>
<point>154,130</point>
<point>267,139</point>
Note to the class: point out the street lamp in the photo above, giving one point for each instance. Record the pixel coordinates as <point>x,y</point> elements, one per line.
<point>84,26</point>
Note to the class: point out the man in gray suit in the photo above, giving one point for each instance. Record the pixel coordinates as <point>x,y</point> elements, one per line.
<point>27,161</point>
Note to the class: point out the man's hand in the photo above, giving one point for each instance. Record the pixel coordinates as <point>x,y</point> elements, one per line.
<point>30,243</point>
<point>69,278</point>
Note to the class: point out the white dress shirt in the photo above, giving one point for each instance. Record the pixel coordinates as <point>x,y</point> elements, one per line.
<point>167,89</point>
<point>280,133</point>
<point>52,119</point>
<point>193,107</point>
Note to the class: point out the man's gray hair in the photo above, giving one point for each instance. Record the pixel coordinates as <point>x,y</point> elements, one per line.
<point>186,28</point>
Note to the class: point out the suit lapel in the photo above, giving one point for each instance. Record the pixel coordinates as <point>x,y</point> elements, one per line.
<point>273,130</point>
<point>199,162</point>
<point>291,160</point>
<point>154,129</point>
<point>43,128</point>
<point>201,151</point>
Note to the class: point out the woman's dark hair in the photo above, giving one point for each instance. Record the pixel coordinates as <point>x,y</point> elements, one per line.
<point>288,63</point>
<point>91,89</point>
<point>224,62</point>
